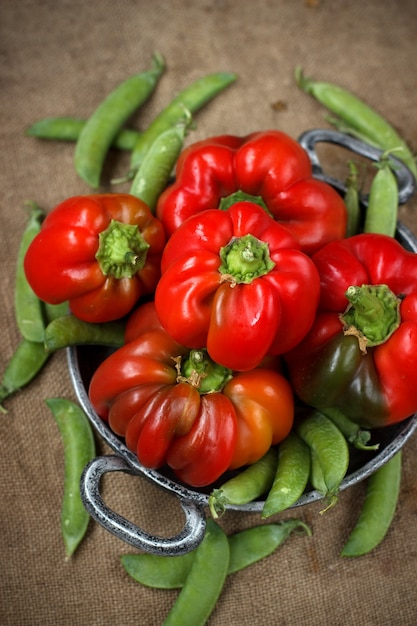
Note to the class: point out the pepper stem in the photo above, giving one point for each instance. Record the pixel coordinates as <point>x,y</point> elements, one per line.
<point>200,371</point>
<point>244,259</point>
<point>373,314</point>
<point>122,250</point>
<point>241,196</point>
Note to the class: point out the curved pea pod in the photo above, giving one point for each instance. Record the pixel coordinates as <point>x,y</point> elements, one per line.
<point>79,449</point>
<point>205,581</point>
<point>189,100</point>
<point>28,307</point>
<point>358,437</point>
<point>291,478</point>
<point>246,486</point>
<point>69,330</point>
<point>246,547</point>
<point>253,544</point>
<point>69,129</point>
<point>108,118</point>
<point>329,453</point>
<point>155,170</point>
<point>351,198</point>
<point>25,363</point>
<point>382,211</point>
<point>378,509</point>
<point>357,117</point>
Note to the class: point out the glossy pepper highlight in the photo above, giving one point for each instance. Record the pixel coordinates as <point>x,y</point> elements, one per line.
<point>236,283</point>
<point>175,406</point>
<point>100,252</point>
<point>268,165</point>
<point>360,355</point>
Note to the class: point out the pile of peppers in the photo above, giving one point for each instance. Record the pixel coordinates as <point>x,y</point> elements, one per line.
<point>242,297</point>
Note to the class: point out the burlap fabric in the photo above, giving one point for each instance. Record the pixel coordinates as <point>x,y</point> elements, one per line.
<point>61,58</point>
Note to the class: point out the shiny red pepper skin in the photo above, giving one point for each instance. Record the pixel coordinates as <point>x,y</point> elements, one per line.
<point>328,368</point>
<point>61,262</point>
<point>239,323</point>
<point>268,164</point>
<point>166,418</point>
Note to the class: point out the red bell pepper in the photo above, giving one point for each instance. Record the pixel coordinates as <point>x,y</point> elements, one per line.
<point>360,356</point>
<point>176,407</point>
<point>269,165</point>
<point>235,282</point>
<point>100,252</point>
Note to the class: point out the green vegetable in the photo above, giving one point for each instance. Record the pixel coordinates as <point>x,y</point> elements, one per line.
<point>153,175</point>
<point>69,129</point>
<point>246,547</point>
<point>351,199</point>
<point>28,307</point>
<point>378,509</point>
<point>254,544</point>
<point>25,363</point>
<point>79,449</point>
<point>189,100</point>
<point>246,486</point>
<point>292,474</point>
<point>358,437</point>
<point>329,453</point>
<point>357,117</point>
<point>69,330</point>
<point>382,210</point>
<point>205,581</point>
<point>107,120</point>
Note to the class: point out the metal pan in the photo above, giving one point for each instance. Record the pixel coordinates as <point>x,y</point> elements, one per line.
<point>82,361</point>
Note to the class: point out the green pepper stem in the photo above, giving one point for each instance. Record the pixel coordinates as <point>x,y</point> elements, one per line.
<point>244,259</point>
<point>199,370</point>
<point>122,250</point>
<point>241,196</point>
<point>373,314</point>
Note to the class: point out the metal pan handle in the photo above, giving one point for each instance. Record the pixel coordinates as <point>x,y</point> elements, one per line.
<point>405,179</point>
<point>185,541</point>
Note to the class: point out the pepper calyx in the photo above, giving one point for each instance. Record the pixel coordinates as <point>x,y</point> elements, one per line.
<point>373,314</point>
<point>200,371</point>
<point>244,259</point>
<point>122,250</point>
<point>241,196</point>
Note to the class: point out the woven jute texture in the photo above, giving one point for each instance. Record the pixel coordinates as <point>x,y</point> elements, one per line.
<point>63,57</point>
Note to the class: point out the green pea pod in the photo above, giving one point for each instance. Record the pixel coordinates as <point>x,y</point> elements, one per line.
<point>358,116</point>
<point>378,509</point>
<point>68,330</point>
<point>205,581</point>
<point>246,486</point>
<point>25,363</point>
<point>54,311</point>
<point>69,129</point>
<point>28,307</point>
<point>158,571</point>
<point>351,199</point>
<point>153,175</point>
<point>344,127</point>
<point>329,453</point>
<point>291,478</point>
<point>246,547</point>
<point>190,100</point>
<point>79,449</point>
<point>382,210</point>
<point>107,120</point>
<point>358,437</point>
<point>253,544</point>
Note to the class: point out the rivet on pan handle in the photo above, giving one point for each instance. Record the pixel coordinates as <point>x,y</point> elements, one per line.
<point>308,139</point>
<point>189,538</point>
